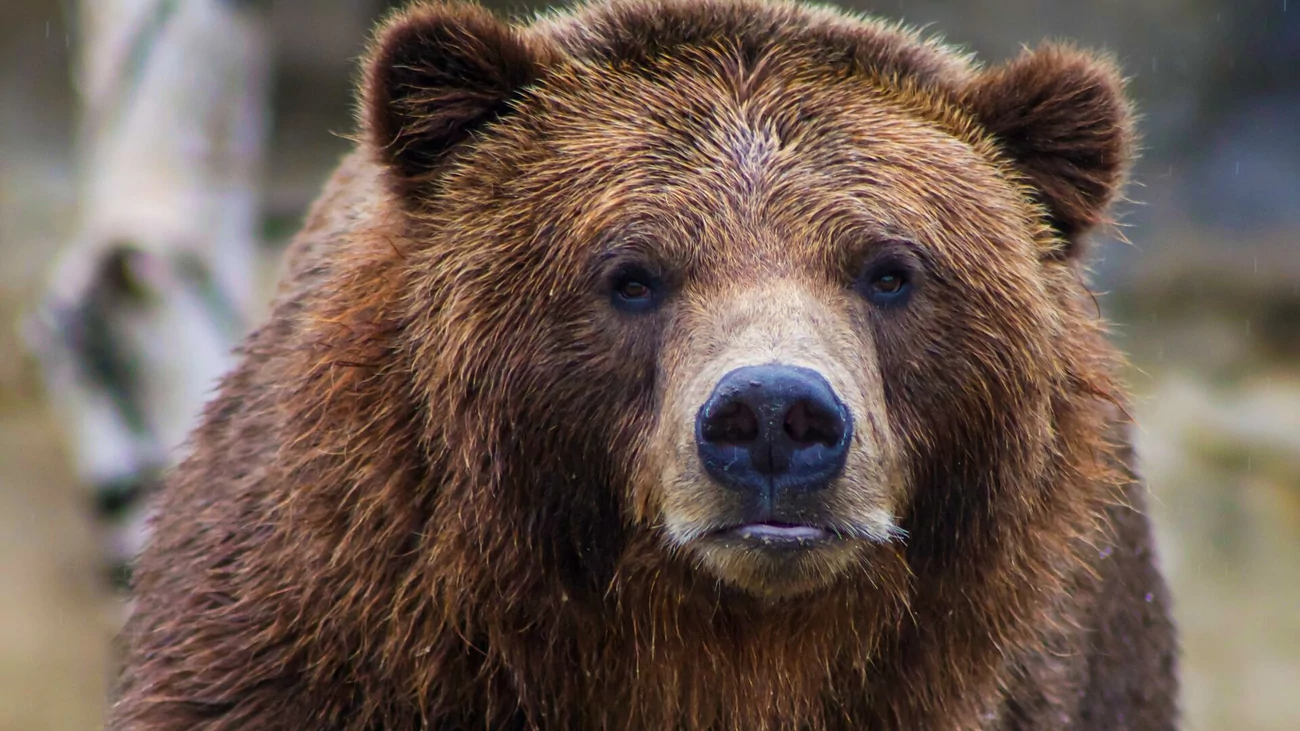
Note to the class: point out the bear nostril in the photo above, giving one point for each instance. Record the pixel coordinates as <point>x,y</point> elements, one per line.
<point>732,423</point>
<point>806,424</point>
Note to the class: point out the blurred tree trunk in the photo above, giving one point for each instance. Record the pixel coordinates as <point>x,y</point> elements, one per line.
<point>147,300</point>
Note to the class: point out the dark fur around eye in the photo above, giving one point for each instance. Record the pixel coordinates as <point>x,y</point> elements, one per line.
<point>889,279</point>
<point>635,289</point>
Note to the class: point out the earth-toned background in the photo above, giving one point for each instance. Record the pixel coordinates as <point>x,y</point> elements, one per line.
<point>1205,297</point>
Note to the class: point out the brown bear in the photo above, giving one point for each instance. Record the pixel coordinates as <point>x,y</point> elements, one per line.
<point>675,364</point>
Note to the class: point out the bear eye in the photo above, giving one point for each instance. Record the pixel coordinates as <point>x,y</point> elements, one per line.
<point>887,283</point>
<point>634,289</point>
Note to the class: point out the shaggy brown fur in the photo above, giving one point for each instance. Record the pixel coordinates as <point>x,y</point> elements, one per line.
<point>449,486</point>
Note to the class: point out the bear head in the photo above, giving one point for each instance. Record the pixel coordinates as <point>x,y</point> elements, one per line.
<point>770,297</point>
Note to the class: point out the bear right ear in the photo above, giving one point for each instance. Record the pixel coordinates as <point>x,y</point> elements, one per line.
<point>1062,116</point>
<point>435,73</point>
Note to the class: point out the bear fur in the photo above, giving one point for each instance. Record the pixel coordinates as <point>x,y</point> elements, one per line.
<point>449,486</point>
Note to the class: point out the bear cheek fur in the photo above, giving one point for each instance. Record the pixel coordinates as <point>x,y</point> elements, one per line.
<point>539,405</point>
<point>968,373</point>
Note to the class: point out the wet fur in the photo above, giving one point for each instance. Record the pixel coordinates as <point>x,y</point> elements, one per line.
<point>426,497</point>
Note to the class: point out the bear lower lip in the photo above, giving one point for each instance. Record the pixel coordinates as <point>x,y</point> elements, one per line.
<point>777,535</point>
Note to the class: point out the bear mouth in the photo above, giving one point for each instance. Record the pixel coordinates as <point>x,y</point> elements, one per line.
<point>774,535</point>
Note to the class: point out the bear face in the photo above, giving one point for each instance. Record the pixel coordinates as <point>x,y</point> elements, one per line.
<point>810,297</point>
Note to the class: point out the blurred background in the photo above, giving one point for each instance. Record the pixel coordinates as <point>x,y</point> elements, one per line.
<point>155,156</point>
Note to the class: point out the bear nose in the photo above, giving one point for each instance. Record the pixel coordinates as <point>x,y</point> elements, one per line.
<point>772,429</point>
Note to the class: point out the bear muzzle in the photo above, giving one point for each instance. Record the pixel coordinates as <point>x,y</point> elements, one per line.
<point>774,435</point>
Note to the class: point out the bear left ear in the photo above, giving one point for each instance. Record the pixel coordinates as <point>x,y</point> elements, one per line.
<point>435,73</point>
<point>1062,116</point>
